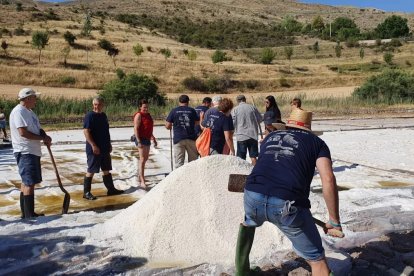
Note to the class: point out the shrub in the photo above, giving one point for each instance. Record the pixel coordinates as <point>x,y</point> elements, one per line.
<point>251,84</point>
<point>67,80</point>
<point>392,86</point>
<point>131,89</point>
<point>194,83</point>
<point>69,37</point>
<point>284,82</point>
<point>120,73</point>
<point>388,58</point>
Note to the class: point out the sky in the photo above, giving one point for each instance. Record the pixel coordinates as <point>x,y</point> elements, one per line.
<point>387,5</point>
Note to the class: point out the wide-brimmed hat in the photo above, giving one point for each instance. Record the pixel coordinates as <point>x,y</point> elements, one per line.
<point>26,92</point>
<point>300,118</point>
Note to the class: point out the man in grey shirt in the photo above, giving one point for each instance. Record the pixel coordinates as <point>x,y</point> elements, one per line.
<point>246,120</point>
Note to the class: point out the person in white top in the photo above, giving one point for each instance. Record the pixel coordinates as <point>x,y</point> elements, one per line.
<point>3,125</point>
<point>26,135</point>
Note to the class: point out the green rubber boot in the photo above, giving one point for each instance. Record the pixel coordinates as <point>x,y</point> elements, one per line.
<point>244,245</point>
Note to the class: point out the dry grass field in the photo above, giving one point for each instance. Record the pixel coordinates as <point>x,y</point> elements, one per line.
<point>87,71</point>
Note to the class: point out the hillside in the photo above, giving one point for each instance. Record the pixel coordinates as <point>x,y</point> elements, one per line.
<point>88,66</point>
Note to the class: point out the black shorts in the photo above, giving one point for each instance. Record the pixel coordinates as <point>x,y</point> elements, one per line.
<point>102,161</point>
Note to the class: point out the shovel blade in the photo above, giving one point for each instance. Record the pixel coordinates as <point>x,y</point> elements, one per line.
<point>237,182</point>
<point>66,202</point>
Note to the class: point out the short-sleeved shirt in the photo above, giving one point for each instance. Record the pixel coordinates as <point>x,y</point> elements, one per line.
<point>199,109</point>
<point>218,122</point>
<point>286,165</point>
<point>183,119</point>
<point>98,125</point>
<point>246,120</point>
<point>24,117</point>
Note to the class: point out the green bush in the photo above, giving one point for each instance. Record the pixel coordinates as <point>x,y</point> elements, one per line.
<point>67,80</point>
<point>131,89</point>
<point>392,86</point>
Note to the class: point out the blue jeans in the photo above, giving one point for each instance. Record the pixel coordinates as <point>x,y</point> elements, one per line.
<point>249,144</point>
<point>295,222</point>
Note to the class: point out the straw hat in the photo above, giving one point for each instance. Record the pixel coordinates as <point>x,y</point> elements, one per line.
<point>300,118</point>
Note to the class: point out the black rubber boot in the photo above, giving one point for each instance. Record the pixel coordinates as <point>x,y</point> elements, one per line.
<point>244,245</point>
<point>87,184</point>
<point>29,210</point>
<point>22,204</point>
<point>109,184</point>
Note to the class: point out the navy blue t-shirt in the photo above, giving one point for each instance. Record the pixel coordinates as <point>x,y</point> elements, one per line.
<point>199,109</point>
<point>98,125</point>
<point>286,165</point>
<point>183,119</point>
<point>218,122</point>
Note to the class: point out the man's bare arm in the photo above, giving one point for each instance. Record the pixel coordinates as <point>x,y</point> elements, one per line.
<point>90,140</point>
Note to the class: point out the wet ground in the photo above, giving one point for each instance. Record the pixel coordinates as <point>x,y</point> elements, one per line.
<point>381,191</point>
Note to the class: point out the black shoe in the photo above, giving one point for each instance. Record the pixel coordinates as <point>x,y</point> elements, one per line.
<point>6,140</point>
<point>114,192</point>
<point>89,196</point>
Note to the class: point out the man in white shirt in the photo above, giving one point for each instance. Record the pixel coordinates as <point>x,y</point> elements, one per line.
<point>26,135</point>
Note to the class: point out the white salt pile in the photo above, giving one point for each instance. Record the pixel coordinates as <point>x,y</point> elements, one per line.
<point>190,218</point>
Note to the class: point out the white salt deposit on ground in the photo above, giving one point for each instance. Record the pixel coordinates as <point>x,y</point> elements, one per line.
<point>191,218</point>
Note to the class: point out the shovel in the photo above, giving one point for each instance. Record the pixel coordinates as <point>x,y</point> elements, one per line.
<point>236,184</point>
<point>66,200</point>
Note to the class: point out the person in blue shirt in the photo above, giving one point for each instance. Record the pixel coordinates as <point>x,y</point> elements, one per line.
<point>277,190</point>
<point>201,109</point>
<point>221,124</point>
<point>182,120</point>
<point>98,149</point>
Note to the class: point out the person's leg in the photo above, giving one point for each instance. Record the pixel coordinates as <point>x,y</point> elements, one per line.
<point>306,240</point>
<point>143,157</point>
<point>31,174</point>
<point>241,149</point>
<point>106,167</point>
<point>319,268</point>
<point>93,167</point>
<point>191,150</point>
<point>253,147</point>
<point>254,217</point>
<point>179,154</point>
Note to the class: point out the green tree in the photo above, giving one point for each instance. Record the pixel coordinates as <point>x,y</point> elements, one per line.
<point>266,57</point>
<point>87,25</point>
<point>111,50</point>
<point>344,28</point>
<point>391,86</point>
<point>166,53</point>
<point>69,38</point>
<point>65,54</point>
<point>217,57</point>
<point>388,56</point>
<point>288,52</point>
<point>338,49</point>
<point>315,48</point>
<point>138,49</point>
<point>393,27</point>
<point>4,46</point>
<point>291,26</point>
<point>317,24</point>
<point>132,88</point>
<point>39,41</point>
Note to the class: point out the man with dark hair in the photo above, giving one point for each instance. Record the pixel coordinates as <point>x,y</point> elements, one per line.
<point>277,191</point>
<point>182,120</point>
<point>201,109</point>
<point>98,149</point>
<point>246,120</point>
<point>26,135</point>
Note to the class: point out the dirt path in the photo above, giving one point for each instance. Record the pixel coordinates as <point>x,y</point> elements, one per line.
<point>10,91</point>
